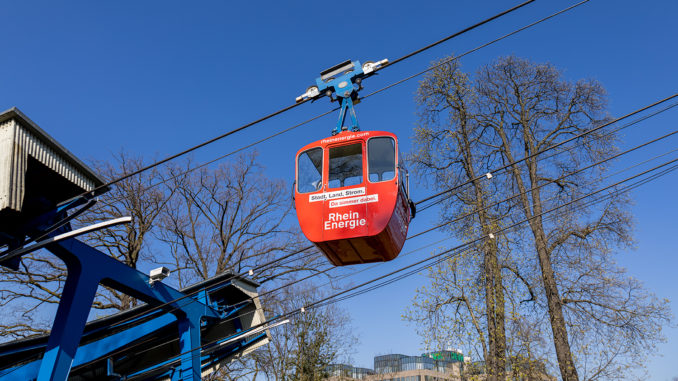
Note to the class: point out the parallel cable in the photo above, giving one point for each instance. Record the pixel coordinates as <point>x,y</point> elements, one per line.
<point>636,121</point>
<point>467,29</point>
<point>553,181</point>
<point>439,257</point>
<point>371,94</point>
<point>273,262</point>
<point>475,49</point>
<point>495,204</point>
<point>105,186</point>
<point>584,133</point>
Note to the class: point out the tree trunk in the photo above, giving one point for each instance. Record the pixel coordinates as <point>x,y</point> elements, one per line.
<point>494,292</point>
<point>533,213</point>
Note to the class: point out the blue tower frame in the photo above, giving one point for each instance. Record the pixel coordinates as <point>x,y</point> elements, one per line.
<point>41,194</point>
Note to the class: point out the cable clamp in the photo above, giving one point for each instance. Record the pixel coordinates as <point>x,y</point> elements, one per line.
<point>251,272</point>
<point>303,310</point>
<point>488,175</point>
<point>491,236</point>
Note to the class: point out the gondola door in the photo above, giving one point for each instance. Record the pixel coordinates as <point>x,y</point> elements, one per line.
<point>344,210</point>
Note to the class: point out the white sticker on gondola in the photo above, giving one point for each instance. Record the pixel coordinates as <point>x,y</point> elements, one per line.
<point>336,194</point>
<point>354,201</point>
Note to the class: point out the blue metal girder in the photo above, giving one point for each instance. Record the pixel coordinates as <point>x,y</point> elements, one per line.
<point>87,268</point>
<point>346,108</point>
<point>96,349</point>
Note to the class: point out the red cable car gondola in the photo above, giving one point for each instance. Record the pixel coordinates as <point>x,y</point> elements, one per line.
<point>351,196</point>
<point>351,191</point>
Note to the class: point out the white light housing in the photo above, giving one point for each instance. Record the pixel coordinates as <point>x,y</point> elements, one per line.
<point>158,274</point>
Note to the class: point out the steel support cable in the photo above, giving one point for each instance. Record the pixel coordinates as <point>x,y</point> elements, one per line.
<point>457,34</point>
<point>469,214</point>
<point>204,164</point>
<point>511,197</point>
<point>368,95</point>
<point>100,188</point>
<point>590,194</point>
<point>589,131</point>
<point>586,204</point>
<point>274,262</point>
<point>96,190</point>
<point>475,49</point>
<point>439,257</point>
<point>567,149</point>
<point>459,218</point>
<point>552,181</point>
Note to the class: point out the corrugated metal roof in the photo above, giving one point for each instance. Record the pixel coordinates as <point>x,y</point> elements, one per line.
<point>21,138</point>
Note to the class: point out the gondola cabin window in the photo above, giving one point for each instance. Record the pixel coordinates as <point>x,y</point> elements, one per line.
<point>381,159</point>
<point>346,165</point>
<point>309,170</point>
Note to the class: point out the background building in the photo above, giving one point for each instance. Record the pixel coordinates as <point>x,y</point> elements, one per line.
<point>433,366</point>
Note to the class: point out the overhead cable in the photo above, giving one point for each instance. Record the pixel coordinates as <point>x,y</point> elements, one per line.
<point>105,186</point>
<point>584,133</point>
<point>466,215</point>
<point>439,257</point>
<point>362,98</point>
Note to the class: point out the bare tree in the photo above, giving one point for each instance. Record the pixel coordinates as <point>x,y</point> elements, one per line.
<point>302,349</point>
<point>28,295</point>
<point>138,197</point>
<point>599,317</point>
<point>531,108</point>
<point>232,218</point>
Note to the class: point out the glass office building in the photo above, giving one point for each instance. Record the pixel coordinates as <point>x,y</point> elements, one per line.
<point>442,362</point>
<point>343,371</point>
<point>433,366</point>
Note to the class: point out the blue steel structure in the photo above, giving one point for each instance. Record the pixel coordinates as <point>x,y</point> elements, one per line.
<point>188,336</point>
<point>143,344</point>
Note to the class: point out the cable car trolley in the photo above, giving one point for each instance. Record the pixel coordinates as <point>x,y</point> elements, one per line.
<point>351,189</point>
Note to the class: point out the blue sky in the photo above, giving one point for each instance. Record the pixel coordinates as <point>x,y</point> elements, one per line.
<point>155,77</point>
